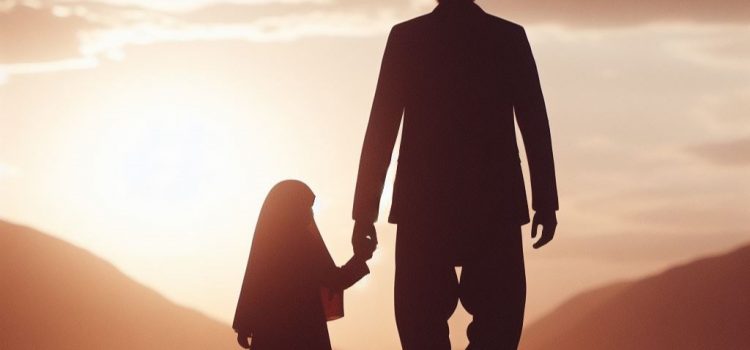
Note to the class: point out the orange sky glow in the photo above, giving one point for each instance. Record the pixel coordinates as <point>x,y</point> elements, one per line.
<point>149,132</point>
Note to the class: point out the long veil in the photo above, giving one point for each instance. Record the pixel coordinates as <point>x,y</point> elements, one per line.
<point>276,243</point>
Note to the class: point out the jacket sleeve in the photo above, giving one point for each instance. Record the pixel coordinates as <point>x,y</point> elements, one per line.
<point>382,129</point>
<point>531,115</point>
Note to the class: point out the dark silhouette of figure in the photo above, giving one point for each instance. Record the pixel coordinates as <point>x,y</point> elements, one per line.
<point>455,77</point>
<point>291,285</point>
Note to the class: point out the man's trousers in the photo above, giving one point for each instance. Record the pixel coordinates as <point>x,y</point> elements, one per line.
<point>492,286</point>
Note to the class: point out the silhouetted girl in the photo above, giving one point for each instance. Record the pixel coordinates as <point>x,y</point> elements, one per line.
<point>290,276</point>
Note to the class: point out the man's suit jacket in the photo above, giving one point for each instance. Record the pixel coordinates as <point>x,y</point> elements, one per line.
<point>456,76</point>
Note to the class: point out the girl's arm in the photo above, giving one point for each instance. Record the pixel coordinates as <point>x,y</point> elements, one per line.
<point>340,278</point>
<point>333,277</point>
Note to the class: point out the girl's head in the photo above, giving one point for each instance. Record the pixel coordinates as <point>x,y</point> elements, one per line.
<point>288,206</point>
<point>285,218</point>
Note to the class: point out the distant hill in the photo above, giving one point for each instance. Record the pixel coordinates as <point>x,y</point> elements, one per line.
<point>701,305</point>
<point>54,295</point>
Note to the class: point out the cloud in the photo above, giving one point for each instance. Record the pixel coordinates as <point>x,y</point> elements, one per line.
<point>35,31</point>
<point>54,35</point>
<point>714,47</point>
<point>44,33</point>
<point>621,12</point>
<point>576,12</point>
<point>726,111</point>
<point>42,39</point>
<point>47,67</point>
<point>726,153</point>
<point>242,13</point>
<point>264,29</point>
<point>33,35</point>
<point>190,5</point>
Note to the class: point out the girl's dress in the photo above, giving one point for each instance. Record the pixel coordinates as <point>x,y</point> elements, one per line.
<point>281,305</point>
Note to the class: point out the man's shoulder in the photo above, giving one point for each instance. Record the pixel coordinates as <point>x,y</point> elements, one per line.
<point>504,24</point>
<point>412,24</point>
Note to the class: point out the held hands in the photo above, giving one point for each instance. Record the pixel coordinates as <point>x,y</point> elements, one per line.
<point>242,339</point>
<point>364,240</point>
<point>548,220</point>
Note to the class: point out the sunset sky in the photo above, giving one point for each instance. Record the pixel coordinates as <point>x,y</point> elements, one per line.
<point>149,132</point>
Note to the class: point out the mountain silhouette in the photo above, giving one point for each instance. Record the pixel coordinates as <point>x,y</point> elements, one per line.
<point>704,304</point>
<point>54,295</point>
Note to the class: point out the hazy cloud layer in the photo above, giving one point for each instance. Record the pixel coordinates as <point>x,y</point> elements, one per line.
<point>577,12</point>
<point>571,13</point>
<point>622,12</point>
<point>33,35</point>
<point>41,31</point>
<point>730,153</point>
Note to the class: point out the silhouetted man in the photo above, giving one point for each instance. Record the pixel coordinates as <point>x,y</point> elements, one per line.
<point>456,76</point>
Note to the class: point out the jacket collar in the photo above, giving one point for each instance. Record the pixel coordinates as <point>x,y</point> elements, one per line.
<point>462,6</point>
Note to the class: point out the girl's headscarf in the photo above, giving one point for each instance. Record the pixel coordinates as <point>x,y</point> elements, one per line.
<point>278,243</point>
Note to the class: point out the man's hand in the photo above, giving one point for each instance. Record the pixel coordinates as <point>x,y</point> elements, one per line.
<point>242,339</point>
<point>363,248</point>
<point>363,235</point>
<point>548,220</point>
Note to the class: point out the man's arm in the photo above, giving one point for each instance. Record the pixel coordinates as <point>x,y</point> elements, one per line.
<point>531,114</point>
<point>385,117</point>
